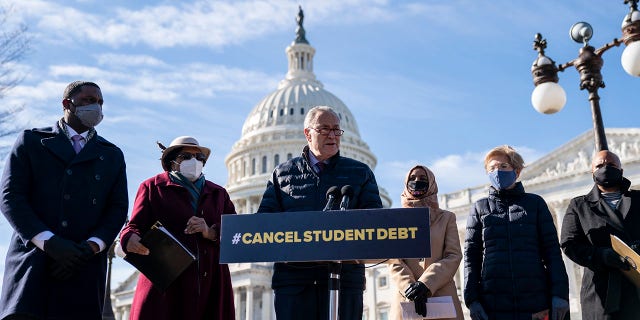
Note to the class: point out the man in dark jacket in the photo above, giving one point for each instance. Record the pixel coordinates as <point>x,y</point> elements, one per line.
<point>609,209</point>
<point>300,184</point>
<point>64,192</point>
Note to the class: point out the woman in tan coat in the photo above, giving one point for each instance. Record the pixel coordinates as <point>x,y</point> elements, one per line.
<point>418,279</point>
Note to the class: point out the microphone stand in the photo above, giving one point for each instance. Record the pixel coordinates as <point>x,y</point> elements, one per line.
<point>334,288</point>
<point>334,266</point>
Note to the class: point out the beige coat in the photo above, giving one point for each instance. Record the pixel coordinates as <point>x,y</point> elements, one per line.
<point>437,271</point>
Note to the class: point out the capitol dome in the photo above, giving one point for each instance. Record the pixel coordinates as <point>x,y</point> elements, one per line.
<point>273,130</point>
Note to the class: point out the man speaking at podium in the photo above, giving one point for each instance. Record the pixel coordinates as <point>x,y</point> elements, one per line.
<point>300,184</point>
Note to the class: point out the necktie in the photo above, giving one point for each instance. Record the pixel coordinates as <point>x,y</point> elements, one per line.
<point>76,142</point>
<point>320,166</point>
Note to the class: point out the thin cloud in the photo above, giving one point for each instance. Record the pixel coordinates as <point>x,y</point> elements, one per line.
<point>453,172</point>
<point>213,24</point>
<point>128,60</point>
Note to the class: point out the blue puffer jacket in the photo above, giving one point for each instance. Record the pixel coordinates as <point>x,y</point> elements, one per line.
<point>513,263</point>
<point>295,186</point>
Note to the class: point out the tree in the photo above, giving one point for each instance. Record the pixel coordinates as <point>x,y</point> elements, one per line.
<point>14,44</point>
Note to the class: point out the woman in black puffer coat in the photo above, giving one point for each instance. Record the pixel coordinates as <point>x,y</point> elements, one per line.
<point>513,263</point>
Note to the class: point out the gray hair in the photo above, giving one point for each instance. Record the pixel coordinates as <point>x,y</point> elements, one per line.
<point>312,115</point>
<point>515,159</point>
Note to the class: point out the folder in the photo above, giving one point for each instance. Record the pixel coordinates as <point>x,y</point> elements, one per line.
<point>167,258</point>
<point>632,258</point>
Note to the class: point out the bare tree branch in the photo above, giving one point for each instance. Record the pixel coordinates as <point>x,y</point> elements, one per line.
<point>14,44</point>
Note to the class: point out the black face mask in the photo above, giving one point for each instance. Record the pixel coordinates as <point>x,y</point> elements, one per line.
<point>418,185</point>
<point>608,176</point>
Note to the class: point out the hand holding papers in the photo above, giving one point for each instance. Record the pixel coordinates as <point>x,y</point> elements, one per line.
<point>437,308</point>
<point>632,258</point>
<point>167,258</point>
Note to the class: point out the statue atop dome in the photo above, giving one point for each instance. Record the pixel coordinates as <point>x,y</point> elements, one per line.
<point>300,33</point>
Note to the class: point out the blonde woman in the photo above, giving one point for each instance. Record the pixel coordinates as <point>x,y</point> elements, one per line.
<point>418,279</point>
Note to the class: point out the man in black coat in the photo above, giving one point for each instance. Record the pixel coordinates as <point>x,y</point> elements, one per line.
<point>64,192</point>
<point>300,184</point>
<point>609,209</point>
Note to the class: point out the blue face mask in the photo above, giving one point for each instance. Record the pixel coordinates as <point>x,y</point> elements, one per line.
<point>502,179</point>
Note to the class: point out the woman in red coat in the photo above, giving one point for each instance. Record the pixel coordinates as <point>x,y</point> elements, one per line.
<point>190,207</point>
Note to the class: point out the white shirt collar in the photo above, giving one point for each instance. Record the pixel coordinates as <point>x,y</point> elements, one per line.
<point>73,132</point>
<point>313,158</point>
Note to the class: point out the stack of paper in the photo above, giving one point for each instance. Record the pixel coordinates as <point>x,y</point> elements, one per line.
<point>437,308</point>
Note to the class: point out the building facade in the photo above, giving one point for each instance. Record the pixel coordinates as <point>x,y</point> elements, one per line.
<point>272,134</point>
<point>558,177</point>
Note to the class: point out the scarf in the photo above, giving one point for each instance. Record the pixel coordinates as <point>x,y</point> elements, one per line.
<point>194,188</point>
<point>63,127</point>
<point>430,199</point>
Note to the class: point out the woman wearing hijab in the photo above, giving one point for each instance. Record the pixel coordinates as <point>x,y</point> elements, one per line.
<point>190,208</point>
<point>418,279</point>
<point>513,268</point>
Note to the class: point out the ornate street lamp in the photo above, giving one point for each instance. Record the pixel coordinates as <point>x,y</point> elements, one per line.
<point>548,97</point>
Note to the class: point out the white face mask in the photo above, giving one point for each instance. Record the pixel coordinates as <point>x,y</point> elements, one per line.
<point>191,169</point>
<point>90,115</point>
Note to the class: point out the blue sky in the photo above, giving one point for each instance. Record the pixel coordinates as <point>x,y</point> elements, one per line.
<point>431,82</point>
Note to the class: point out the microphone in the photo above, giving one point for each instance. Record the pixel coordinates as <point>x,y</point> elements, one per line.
<point>332,195</point>
<point>347,193</point>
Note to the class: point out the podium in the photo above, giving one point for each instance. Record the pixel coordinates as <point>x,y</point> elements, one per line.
<point>365,236</point>
<point>368,234</point>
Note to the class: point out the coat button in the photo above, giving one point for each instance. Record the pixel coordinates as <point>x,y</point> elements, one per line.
<point>69,171</point>
<point>64,223</point>
<point>67,196</point>
<point>95,201</point>
<point>97,177</point>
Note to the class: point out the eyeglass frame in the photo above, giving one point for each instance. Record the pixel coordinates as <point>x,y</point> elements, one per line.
<point>328,130</point>
<point>502,166</point>
<point>188,156</point>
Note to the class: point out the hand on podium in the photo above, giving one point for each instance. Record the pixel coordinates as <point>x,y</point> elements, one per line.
<point>418,293</point>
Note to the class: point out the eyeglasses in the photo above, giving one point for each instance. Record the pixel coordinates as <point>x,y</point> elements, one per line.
<point>326,131</point>
<point>502,166</point>
<point>187,156</point>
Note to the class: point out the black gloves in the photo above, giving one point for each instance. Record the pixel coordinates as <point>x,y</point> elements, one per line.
<point>611,259</point>
<point>68,256</point>
<point>421,306</point>
<point>559,308</point>
<point>87,251</point>
<point>476,311</point>
<point>635,246</point>
<point>418,293</point>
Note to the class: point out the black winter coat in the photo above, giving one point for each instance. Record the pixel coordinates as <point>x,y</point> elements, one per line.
<point>512,262</point>
<point>605,293</point>
<point>47,186</point>
<point>295,186</point>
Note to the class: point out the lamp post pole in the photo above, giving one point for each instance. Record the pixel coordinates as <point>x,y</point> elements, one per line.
<point>589,65</point>
<point>107,312</point>
<point>549,97</point>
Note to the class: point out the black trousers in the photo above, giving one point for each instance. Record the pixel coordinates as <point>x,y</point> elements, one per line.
<point>312,302</point>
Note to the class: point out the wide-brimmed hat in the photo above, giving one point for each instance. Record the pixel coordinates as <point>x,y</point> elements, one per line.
<point>181,142</point>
